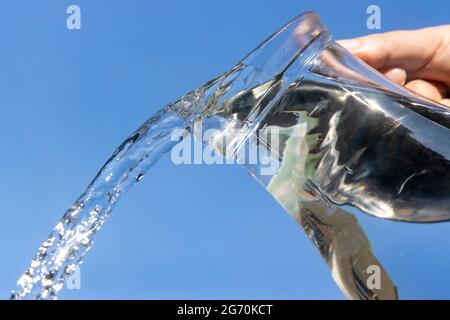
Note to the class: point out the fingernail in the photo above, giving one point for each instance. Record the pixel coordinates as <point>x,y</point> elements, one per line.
<point>397,75</point>
<point>350,44</point>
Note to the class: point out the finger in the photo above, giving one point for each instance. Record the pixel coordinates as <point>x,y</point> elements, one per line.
<point>429,89</point>
<point>406,49</point>
<point>445,102</point>
<point>420,52</point>
<point>396,75</point>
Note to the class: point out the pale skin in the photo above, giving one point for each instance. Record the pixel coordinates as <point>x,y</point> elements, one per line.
<point>417,59</point>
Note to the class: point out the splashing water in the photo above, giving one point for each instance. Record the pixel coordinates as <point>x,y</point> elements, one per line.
<point>58,257</point>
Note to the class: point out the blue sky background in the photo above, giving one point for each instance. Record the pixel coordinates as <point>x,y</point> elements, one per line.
<point>68,98</point>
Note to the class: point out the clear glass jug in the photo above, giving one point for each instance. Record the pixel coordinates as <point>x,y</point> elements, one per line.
<point>362,164</point>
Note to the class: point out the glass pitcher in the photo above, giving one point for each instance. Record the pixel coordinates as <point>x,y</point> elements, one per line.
<point>362,164</point>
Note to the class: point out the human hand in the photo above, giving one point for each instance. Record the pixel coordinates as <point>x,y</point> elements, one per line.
<point>417,59</point>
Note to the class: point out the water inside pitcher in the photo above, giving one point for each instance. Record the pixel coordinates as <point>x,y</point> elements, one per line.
<point>363,165</point>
